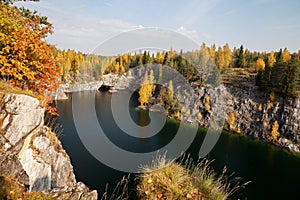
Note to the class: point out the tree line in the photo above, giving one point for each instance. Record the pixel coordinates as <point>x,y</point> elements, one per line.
<point>279,72</point>
<point>27,61</point>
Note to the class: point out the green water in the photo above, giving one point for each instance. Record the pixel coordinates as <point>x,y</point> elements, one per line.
<point>274,173</point>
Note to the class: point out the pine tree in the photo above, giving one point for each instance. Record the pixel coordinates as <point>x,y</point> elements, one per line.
<point>166,59</point>
<point>289,81</point>
<point>170,94</point>
<point>240,62</point>
<point>278,73</point>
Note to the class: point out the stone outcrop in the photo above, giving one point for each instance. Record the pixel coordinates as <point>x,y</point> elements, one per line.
<point>256,114</point>
<point>253,113</point>
<point>66,88</point>
<point>119,82</point>
<point>32,154</point>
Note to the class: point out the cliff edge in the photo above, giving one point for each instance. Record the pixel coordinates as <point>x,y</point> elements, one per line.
<point>32,154</point>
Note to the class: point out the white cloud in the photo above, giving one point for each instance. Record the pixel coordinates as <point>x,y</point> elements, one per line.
<point>193,34</point>
<point>76,29</point>
<point>85,33</point>
<point>80,31</point>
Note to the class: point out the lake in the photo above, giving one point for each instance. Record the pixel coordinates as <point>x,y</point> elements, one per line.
<point>273,172</point>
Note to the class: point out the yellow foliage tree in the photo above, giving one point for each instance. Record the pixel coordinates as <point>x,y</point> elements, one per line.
<point>206,101</point>
<point>178,114</point>
<point>200,116</point>
<point>160,57</point>
<point>260,107</point>
<point>117,67</point>
<point>170,94</point>
<point>183,110</point>
<point>260,65</point>
<point>145,91</point>
<point>205,52</point>
<point>227,55</point>
<point>231,119</point>
<point>220,58</point>
<point>271,59</point>
<point>207,107</point>
<point>275,132</point>
<point>286,55</point>
<point>212,51</point>
<point>122,71</point>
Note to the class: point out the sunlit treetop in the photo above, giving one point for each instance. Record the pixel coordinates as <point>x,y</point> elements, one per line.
<point>26,60</point>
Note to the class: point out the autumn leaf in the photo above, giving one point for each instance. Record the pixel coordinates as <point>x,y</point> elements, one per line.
<point>149,180</point>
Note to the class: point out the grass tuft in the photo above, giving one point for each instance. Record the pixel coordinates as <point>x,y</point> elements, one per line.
<point>12,190</point>
<point>120,192</point>
<point>169,180</point>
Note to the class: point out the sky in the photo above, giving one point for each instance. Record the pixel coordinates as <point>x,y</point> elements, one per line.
<point>260,25</point>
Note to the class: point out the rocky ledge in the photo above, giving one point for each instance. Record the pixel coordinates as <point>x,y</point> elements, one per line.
<point>31,152</point>
<point>60,93</point>
<point>119,82</point>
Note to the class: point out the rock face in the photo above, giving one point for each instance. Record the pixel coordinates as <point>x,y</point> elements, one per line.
<point>32,154</point>
<point>109,80</point>
<point>256,114</point>
<point>21,115</point>
<point>252,112</point>
<point>60,92</point>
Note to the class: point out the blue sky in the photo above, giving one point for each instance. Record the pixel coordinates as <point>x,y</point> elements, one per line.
<point>261,25</point>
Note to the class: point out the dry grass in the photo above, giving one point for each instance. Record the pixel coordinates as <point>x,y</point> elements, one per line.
<point>12,190</point>
<point>120,192</point>
<point>6,87</point>
<point>170,180</point>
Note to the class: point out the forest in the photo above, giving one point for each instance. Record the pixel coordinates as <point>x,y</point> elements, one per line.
<point>27,61</point>
<point>276,71</point>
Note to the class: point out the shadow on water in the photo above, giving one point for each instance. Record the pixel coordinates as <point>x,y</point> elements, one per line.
<point>274,173</point>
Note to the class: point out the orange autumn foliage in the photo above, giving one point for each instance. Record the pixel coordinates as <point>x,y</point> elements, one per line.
<point>26,59</point>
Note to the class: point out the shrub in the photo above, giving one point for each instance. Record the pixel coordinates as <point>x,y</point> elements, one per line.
<point>170,180</point>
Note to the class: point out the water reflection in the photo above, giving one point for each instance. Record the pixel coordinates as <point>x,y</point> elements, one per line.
<point>274,172</point>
